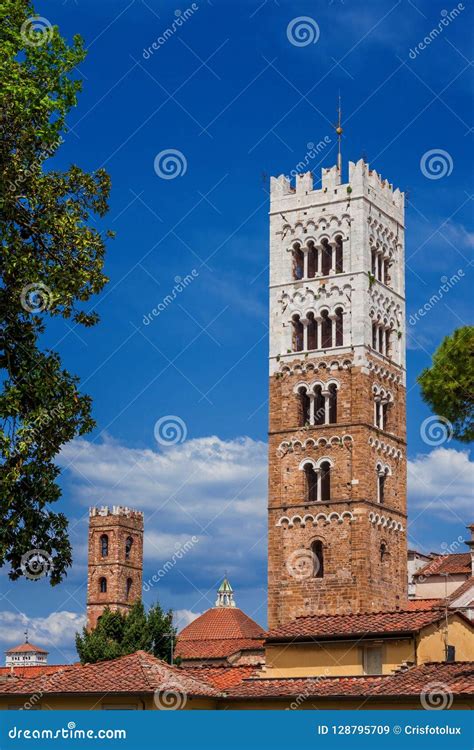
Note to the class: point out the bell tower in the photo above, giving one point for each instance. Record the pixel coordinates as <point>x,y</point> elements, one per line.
<point>337,451</point>
<point>115,563</point>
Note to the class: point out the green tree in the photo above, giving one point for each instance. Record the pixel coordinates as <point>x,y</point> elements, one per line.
<point>448,385</point>
<point>117,634</point>
<point>51,263</point>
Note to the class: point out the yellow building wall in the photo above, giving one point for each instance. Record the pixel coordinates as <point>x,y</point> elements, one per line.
<point>95,703</point>
<point>431,642</point>
<point>333,659</point>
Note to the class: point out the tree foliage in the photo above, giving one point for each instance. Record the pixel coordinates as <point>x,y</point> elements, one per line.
<point>51,262</point>
<point>448,385</point>
<point>117,634</point>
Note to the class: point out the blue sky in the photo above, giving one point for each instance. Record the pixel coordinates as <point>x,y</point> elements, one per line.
<point>239,102</point>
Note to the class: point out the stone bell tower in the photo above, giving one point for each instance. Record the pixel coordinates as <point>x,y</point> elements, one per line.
<point>337,458</point>
<point>115,563</point>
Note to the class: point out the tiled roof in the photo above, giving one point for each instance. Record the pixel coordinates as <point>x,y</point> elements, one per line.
<point>222,677</point>
<point>221,622</point>
<point>26,648</point>
<point>462,589</point>
<point>355,625</point>
<point>456,678</point>
<point>34,671</point>
<point>459,563</point>
<point>416,605</point>
<point>136,673</point>
<point>216,649</point>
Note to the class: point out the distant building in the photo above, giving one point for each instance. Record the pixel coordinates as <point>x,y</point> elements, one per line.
<point>26,655</point>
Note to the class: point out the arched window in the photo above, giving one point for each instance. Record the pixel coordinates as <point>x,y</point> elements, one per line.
<point>387,343</point>
<point>326,330</point>
<point>304,406</point>
<point>128,588</point>
<point>104,545</point>
<point>382,474</point>
<point>128,547</point>
<point>318,558</point>
<point>103,585</point>
<point>374,335</point>
<point>311,483</point>
<point>339,327</point>
<point>332,403</point>
<point>297,334</point>
<point>383,552</point>
<point>339,255</point>
<point>298,263</point>
<point>326,258</point>
<point>325,479</point>
<point>386,272</point>
<point>312,331</point>
<point>379,266</point>
<point>374,262</point>
<point>381,340</point>
<point>312,260</point>
<point>319,406</point>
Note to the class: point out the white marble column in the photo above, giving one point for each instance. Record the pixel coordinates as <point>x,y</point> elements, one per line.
<point>311,408</point>
<point>326,395</point>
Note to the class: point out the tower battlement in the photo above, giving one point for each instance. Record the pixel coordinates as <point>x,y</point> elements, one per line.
<point>363,183</point>
<point>115,510</point>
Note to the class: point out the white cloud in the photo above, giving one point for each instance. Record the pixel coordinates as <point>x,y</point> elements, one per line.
<point>207,488</point>
<point>442,482</point>
<point>57,629</point>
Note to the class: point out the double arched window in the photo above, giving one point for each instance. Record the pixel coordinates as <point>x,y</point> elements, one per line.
<point>317,480</point>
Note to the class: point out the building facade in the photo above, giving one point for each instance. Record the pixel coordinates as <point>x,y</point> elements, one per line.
<point>115,566</point>
<point>337,425</point>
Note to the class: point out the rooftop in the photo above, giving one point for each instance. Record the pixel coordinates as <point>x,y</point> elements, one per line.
<point>456,564</point>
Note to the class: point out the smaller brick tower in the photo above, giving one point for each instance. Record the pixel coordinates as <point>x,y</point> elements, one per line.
<point>115,564</point>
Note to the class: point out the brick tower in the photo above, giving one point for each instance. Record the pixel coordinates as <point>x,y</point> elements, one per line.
<point>337,459</point>
<point>115,560</point>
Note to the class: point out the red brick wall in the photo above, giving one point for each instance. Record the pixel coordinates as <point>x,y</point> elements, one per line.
<point>114,567</point>
<point>354,579</point>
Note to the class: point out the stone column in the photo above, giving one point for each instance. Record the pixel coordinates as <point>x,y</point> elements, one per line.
<point>326,395</point>
<point>333,319</point>
<point>305,262</point>
<point>311,408</point>
<point>305,334</point>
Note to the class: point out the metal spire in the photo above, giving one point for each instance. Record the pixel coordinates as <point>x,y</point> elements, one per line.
<point>339,131</point>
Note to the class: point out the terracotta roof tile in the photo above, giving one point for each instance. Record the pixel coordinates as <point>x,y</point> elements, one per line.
<point>456,564</point>
<point>416,605</point>
<point>456,678</point>
<point>462,589</point>
<point>216,649</point>
<point>136,673</point>
<point>33,671</point>
<point>222,677</point>
<point>26,648</point>
<point>355,625</point>
<point>221,622</point>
